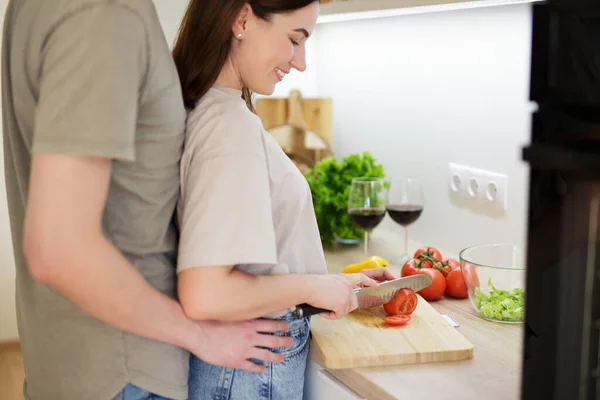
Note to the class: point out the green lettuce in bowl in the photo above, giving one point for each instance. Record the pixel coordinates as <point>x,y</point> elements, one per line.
<point>495,281</point>
<point>501,305</point>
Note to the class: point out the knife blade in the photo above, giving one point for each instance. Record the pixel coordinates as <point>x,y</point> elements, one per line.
<point>373,296</point>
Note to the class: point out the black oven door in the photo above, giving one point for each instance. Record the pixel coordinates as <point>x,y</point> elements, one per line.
<point>561,354</point>
<point>561,358</point>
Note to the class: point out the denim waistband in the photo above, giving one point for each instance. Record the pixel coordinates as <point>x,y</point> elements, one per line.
<point>283,314</point>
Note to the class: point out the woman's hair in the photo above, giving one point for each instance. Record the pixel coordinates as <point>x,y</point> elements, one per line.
<point>204,41</point>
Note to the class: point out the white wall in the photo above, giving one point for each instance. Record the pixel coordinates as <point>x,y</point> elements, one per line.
<point>170,13</point>
<point>421,91</point>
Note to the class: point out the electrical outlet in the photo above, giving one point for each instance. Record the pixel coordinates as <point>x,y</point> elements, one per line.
<point>478,185</point>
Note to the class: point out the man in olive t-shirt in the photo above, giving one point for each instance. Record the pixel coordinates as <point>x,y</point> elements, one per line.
<point>93,127</point>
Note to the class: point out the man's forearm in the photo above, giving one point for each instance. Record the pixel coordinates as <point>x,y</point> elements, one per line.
<point>99,279</point>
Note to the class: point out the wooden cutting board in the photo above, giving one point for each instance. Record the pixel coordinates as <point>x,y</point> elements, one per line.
<point>362,339</point>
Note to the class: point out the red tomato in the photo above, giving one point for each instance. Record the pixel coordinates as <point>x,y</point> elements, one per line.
<point>455,284</point>
<point>451,264</point>
<point>403,303</point>
<point>427,252</point>
<point>397,320</point>
<point>438,285</point>
<point>470,275</point>
<point>409,268</point>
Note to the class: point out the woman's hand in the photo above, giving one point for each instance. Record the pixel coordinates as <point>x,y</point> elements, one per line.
<point>381,274</point>
<point>370,277</point>
<point>333,292</point>
<point>359,280</point>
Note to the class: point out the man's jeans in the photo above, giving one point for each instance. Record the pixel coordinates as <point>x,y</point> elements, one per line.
<point>135,393</point>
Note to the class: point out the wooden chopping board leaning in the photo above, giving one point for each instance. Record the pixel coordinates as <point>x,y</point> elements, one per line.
<point>303,127</point>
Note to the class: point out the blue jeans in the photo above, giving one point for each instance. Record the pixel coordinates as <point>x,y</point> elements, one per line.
<point>135,393</point>
<point>283,381</point>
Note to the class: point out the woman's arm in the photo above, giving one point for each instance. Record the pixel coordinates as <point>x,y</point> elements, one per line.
<point>226,293</point>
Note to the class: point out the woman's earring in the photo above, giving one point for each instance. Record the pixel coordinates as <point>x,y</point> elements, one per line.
<point>239,35</point>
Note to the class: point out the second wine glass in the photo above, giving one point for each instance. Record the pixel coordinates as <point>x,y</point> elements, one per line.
<point>366,204</point>
<point>405,206</point>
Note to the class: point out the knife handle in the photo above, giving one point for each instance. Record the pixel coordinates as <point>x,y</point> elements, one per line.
<point>306,310</point>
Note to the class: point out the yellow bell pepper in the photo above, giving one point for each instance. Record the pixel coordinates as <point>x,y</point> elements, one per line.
<point>368,263</point>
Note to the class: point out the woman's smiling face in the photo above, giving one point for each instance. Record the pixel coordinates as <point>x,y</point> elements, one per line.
<point>266,51</point>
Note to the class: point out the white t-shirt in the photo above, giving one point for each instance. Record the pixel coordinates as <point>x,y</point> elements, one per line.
<point>243,201</point>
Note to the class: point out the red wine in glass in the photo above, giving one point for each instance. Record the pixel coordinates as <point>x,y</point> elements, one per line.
<point>366,218</point>
<point>404,214</point>
<point>406,202</point>
<point>367,199</point>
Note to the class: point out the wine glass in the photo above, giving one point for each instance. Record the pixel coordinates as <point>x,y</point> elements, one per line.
<point>366,204</point>
<point>405,206</point>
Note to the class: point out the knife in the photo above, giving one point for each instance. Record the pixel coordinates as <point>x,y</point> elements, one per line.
<point>373,296</point>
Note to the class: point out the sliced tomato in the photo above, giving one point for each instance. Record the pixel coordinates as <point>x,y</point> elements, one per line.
<point>455,284</point>
<point>396,320</point>
<point>409,268</point>
<point>403,303</point>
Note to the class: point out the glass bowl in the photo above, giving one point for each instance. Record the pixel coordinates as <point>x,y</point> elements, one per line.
<point>495,280</point>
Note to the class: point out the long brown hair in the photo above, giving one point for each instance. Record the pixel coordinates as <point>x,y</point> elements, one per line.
<point>204,41</point>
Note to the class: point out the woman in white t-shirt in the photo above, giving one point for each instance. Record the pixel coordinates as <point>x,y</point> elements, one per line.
<point>249,245</point>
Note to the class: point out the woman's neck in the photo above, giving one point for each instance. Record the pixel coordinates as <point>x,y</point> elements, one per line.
<point>228,77</point>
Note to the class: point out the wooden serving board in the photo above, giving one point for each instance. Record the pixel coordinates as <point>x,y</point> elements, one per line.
<point>362,339</point>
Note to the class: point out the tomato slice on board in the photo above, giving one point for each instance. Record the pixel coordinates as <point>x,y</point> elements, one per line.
<point>403,303</point>
<point>396,320</point>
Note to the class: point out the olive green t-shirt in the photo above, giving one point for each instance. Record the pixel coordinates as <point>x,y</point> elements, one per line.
<point>95,77</point>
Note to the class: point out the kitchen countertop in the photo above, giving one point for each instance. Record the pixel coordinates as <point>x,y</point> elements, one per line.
<point>493,373</point>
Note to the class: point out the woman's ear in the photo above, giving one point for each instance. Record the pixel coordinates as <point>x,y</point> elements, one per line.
<point>240,25</point>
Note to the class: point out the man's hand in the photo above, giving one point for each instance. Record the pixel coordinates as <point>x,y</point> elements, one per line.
<point>232,344</point>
